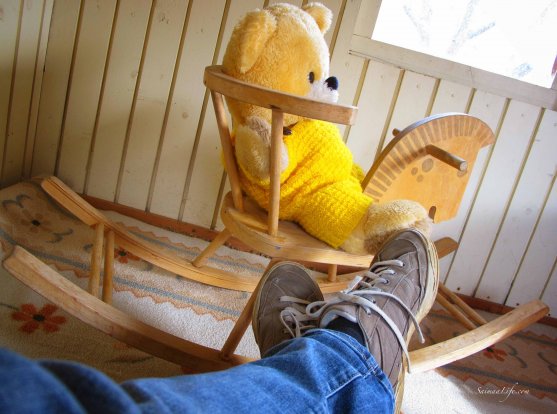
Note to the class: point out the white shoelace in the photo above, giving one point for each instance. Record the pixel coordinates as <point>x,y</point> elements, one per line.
<point>294,318</point>
<point>369,285</point>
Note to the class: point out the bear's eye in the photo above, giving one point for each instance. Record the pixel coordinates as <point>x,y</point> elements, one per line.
<point>311,77</point>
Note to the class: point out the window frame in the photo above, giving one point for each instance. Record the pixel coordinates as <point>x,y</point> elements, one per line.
<point>363,45</point>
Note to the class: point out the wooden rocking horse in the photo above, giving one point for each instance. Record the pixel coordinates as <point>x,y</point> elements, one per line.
<point>430,162</point>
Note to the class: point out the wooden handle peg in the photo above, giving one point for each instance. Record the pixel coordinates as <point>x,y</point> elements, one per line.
<point>446,157</point>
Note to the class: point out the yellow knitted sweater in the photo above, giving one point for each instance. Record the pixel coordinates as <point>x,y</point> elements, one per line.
<point>320,188</point>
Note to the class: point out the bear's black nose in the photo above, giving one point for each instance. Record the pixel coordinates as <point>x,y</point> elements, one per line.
<point>332,83</point>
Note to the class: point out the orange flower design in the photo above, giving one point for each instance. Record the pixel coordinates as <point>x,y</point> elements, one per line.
<point>495,353</point>
<point>124,256</point>
<point>35,319</point>
<point>35,222</point>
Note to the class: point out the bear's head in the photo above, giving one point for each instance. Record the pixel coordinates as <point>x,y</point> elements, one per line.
<point>281,47</point>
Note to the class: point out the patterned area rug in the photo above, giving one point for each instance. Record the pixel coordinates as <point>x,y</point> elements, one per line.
<point>517,375</point>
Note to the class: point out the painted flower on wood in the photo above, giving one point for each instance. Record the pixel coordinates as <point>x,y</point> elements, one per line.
<point>495,353</point>
<point>35,319</point>
<point>35,222</point>
<point>124,256</point>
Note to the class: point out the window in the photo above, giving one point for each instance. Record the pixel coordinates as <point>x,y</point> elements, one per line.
<point>513,38</point>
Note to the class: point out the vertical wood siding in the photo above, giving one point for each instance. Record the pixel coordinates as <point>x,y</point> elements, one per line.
<point>108,95</point>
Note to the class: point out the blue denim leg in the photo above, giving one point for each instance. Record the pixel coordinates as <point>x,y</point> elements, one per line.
<point>325,371</point>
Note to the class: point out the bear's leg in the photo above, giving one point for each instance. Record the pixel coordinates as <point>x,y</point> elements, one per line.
<point>384,219</point>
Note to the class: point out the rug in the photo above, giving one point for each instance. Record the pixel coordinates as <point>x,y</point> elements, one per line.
<point>517,375</point>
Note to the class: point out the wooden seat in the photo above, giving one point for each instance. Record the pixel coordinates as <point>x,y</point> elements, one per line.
<point>291,241</point>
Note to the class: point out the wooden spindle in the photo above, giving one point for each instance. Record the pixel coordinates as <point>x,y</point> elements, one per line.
<point>475,316</point>
<point>228,151</point>
<point>453,310</point>
<point>96,257</point>
<point>217,242</point>
<point>243,321</point>
<point>332,273</point>
<point>276,141</point>
<point>108,267</point>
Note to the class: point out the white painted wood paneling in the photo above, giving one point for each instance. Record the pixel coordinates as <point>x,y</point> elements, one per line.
<point>149,112</point>
<point>377,96</point>
<point>84,91</point>
<point>22,90</point>
<point>493,197</point>
<point>9,30</point>
<point>63,27</point>
<point>540,256</point>
<point>412,103</point>
<point>187,104</point>
<point>523,212</point>
<point>206,178</point>
<point>451,97</point>
<point>117,99</point>
<point>347,68</point>
<point>37,87</point>
<point>336,6</point>
<point>550,294</point>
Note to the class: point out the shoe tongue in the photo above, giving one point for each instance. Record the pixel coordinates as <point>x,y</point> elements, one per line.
<point>338,311</point>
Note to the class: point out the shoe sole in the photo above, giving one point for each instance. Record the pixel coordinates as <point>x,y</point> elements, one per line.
<point>432,284</point>
<point>263,280</point>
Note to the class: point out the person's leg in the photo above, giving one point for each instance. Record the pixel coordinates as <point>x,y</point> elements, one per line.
<point>322,371</point>
<point>45,387</point>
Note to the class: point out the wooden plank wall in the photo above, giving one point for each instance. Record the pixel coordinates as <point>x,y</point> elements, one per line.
<point>108,95</point>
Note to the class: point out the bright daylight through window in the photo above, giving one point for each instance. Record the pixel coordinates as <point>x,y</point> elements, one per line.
<point>514,38</point>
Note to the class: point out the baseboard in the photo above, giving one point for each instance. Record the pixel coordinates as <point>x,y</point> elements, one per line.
<point>208,235</point>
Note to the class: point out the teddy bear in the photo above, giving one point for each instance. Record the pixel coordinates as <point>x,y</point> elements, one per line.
<point>282,47</point>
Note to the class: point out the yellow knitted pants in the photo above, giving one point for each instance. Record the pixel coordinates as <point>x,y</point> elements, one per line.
<point>320,188</point>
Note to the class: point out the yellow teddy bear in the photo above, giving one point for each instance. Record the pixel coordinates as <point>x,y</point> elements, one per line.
<point>282,47</point>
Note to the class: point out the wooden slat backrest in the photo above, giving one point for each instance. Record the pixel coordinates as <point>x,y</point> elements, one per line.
<point>279,103</point>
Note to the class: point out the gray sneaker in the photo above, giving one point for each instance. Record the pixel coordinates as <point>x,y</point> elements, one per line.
<point>279,311</point>
<point>389,300</point>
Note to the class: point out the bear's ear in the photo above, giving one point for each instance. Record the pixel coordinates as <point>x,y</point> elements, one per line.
<point>254,31</point>
<point>321,14</point>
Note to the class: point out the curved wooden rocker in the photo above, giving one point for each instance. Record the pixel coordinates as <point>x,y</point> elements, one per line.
<point>104,317</point>
<point>89,215</point>
<point>57,289</point>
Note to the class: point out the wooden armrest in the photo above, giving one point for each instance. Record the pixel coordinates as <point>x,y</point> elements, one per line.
<point>217,81</point>
<point>464,345</point>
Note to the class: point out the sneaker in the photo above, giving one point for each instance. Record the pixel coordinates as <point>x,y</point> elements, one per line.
<point>279,311</point>
<point>388,301</point>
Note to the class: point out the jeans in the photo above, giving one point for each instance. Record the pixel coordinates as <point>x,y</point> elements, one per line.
<point>323,371</point>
